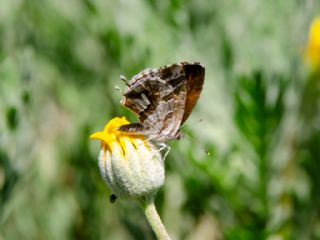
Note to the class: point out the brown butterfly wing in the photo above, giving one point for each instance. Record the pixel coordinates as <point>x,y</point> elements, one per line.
<point>163,99</point>
<point>157,97</point>
<point>195,78</point>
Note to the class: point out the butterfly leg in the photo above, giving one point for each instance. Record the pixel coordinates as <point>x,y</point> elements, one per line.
<point>123,78</point>
<point>118,89</point>
<point>163,146</point>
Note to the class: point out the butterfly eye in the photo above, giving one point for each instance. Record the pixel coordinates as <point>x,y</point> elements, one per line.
<point>178,135</point>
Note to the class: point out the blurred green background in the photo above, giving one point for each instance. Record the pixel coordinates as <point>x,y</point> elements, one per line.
<point>59,64</point>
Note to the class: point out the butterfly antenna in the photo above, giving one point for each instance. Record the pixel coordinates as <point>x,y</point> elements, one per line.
<point>195,122</point>
<point>123,78</point>
<point>197,143</point>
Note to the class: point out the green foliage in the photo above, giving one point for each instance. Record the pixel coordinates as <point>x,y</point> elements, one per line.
<point>59,64</point>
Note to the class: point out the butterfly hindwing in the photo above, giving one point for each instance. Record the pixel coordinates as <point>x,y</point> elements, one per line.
<point>163,99</point>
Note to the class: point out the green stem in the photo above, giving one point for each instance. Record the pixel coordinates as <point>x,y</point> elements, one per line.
<point>153,218</point>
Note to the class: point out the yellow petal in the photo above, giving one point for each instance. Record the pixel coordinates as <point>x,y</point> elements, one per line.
<point>110,135</point>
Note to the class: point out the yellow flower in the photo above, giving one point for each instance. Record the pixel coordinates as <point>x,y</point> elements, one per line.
<point>130,165</point>
<point>312,51</point>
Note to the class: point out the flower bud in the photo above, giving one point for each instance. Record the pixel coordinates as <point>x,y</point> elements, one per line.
<point>312,51</point>
<point>130,165</point>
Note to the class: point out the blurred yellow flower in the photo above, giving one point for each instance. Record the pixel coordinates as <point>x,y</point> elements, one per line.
<point>130,165</point>
<point>312,51</point>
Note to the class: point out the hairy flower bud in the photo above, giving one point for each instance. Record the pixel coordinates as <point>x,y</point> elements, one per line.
<point>129,164</point>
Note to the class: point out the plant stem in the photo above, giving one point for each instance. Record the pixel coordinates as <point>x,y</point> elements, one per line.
<point>153,218</point>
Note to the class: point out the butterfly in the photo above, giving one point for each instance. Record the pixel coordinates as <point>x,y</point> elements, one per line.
<point>163,98</point>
